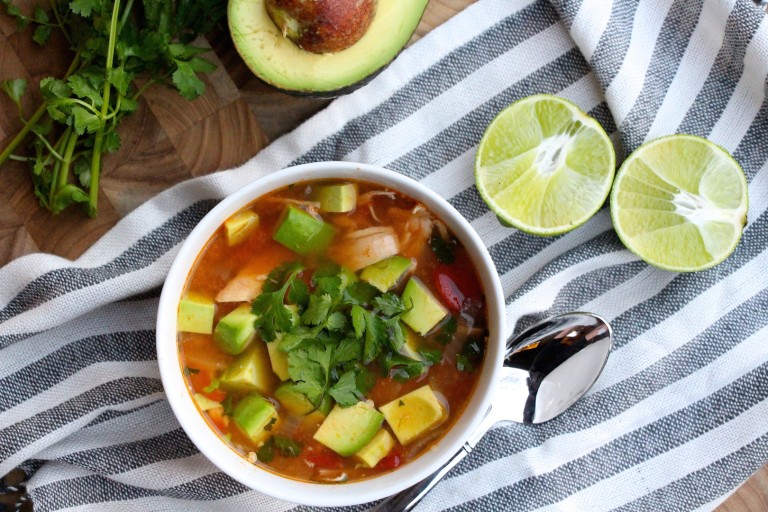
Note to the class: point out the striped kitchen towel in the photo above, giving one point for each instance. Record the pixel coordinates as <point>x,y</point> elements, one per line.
<point>676,422</point>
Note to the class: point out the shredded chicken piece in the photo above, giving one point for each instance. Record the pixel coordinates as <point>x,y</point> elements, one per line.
<point>368,196</point>
<point>367,246</point>
<point>242,288</point>
<point>416,232</point>
<point>311,207</point>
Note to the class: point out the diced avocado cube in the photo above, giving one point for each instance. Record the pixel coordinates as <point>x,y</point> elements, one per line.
<point>425,310</point>
<point>255,417</point>
<point>196,315</point>
<point>205,403</point>
<point>410,348</point>
<point>338,198</point>
<point>387,273</point>
<point>295,402</point>
<point>413,414</point>
<point>302,233</point>
<point>240,226</point>
<point>278,358</point>
<point>376,449</point>
<point>251,371</point>
<point>235,330</point>
<point>347,430</point>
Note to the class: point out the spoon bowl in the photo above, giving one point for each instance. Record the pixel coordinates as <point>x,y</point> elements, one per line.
<point>547,368</point>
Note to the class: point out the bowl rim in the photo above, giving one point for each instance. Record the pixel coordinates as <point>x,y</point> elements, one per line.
<point>221,454</point>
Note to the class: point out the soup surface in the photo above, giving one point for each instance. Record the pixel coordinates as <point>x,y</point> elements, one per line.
<point>332,330</point>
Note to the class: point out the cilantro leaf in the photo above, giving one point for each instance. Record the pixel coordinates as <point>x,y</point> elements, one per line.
<point>359,293</point>
<point>85,7</point>
<point>318,309</point>
<point>266,452</point>
<point>14,89</point>
<point>272,315</point>
<point>298,293</point>
<point>280,275</point>
<point>375,337</point>
<point>349,349</point>
<point>389,304</point>
<point>336,321</point>
<point>345,390</point>
<point>443,250</point>
<point>471,354</point>
<point>358,315</point>
<point>396,334</point>
<point>186,81</point>
<point>445,336</point>
<point>287,446</point>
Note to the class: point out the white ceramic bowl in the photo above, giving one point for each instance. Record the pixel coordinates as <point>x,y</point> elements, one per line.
<point>262,480</point>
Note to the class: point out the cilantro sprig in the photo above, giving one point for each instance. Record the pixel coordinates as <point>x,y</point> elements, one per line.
<point>332,333</point>
<point>120,48</point>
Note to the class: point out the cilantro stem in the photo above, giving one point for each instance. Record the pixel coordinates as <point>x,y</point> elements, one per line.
<point>28,125</point>
<point>93,190</point>
<point>57,167</point>
<point>59,23</point>
<point>67,160</point>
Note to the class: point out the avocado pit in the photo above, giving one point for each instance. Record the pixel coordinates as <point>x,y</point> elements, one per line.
<point>322,26</point>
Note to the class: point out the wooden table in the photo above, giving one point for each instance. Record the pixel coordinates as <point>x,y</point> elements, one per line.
<point>169,140</point>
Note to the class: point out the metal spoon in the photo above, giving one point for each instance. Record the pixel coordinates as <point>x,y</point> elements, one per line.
<point>547,368</point>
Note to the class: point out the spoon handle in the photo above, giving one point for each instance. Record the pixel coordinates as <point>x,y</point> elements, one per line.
<point>406,500</point>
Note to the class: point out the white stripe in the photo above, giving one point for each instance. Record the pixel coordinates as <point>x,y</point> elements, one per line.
<point>694,68</point>
<point>559,450</point>
<point>145,423</point>
<point>116,317</point>
<point>628,83</point>
<point>749,94</point>
<point>636,290</point>
<point>543,295</point>
<point>670,466</point>
<point>248,501</point>
<point>589,24</point>
<point>517,276</point>
<point>78,302</point>
<point>688,322</point>
<point>465,97</point>
<point>29,451</point>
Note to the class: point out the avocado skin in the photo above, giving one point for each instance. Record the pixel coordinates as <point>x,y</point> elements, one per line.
<point>329,95</point>
<point>252,59</point>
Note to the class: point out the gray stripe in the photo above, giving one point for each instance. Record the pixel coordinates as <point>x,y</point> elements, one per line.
<point>117,413</point>
<point>15,437</point>
<point>671,44</point>
<point>140,255</point>
<point>98,489</point>
<point>711,100</point>
<point>71,358</point>
<point>603,243</point>
<point>631,449</point>
<point>465,133</point>
<point>124,457</point>
<point>432,82</point>
<point>614,42</point>
<point>705,485</point>
<point>567,10</point>
<point>591,285</point>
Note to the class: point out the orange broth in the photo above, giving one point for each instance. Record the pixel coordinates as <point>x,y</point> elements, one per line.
<point>203,361</point>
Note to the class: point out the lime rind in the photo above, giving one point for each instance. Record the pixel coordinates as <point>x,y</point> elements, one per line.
<point>680,216</point>
<point>544,166</point>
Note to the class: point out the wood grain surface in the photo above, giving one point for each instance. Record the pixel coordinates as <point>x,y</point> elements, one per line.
<point>166,141</point>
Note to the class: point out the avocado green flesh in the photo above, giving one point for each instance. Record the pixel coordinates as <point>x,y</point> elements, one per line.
<point>235,331</point>
<point>425,310</point>
<point>347,430</point>
<point>196,315</point>
<point>278,61</point>
<point>302,233</point>
<point>253,415</point>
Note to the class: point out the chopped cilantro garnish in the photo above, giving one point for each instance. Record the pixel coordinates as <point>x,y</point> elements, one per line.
<point>445,335</point>
<point>190,371</point>
<point>470,355</point>
<point>442,249</point>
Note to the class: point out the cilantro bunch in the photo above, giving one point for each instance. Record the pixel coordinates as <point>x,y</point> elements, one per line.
<point>117,45</point>
<point>334,332</point>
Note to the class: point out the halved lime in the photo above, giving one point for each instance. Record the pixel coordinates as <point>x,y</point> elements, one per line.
<point>680,203</point>
<point>544,166</point>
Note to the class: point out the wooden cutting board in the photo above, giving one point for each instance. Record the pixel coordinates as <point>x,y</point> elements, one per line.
<point>169,140</point>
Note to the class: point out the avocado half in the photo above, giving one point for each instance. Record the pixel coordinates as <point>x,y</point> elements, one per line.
<point>280,62</point>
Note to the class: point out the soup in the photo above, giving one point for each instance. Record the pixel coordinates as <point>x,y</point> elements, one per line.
<point>332,330</point>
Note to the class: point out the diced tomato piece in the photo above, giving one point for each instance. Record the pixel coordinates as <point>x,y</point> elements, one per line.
<point>456,282</point>
<point>324,458</point>
<point>393,459</point>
